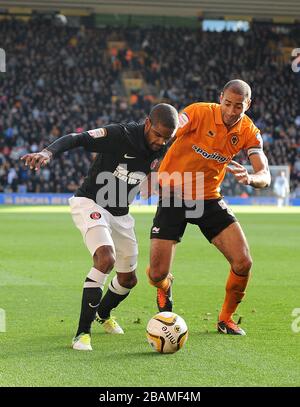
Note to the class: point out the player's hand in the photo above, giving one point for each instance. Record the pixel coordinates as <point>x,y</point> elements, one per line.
<point>240,173</point>
<point>37,160</point>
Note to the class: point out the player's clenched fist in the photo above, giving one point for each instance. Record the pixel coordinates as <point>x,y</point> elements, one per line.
<point>37,160</point>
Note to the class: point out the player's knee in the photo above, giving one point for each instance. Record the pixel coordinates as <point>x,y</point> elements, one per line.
<point>104,259</point>
<point>243,266</point>
<point>157,273</point>
<point>127,281</point>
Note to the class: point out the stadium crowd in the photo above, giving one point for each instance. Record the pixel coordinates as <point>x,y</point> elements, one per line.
<point>60,80</point>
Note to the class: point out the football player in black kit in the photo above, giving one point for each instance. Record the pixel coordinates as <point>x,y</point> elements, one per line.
<point>126,154</point>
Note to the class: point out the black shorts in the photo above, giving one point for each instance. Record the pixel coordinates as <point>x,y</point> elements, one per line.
<point>169,223</point>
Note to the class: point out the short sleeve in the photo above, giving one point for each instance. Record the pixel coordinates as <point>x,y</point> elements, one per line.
<point>254,141</point>
<point>188,120</point>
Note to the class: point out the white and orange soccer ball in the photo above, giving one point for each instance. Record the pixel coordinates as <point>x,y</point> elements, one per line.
<point>167,332</point>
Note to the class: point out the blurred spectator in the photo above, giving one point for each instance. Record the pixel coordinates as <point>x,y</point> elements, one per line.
<point>281,189</point>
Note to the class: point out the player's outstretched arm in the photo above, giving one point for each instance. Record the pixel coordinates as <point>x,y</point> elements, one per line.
<point>65,143</point>
<point>104,139</point>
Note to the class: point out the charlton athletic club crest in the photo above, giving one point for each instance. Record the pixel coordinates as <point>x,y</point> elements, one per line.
<point>234,140</point>
<point>95,215</point>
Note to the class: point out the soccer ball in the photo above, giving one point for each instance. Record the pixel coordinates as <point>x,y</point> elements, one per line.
<point>167,332</point>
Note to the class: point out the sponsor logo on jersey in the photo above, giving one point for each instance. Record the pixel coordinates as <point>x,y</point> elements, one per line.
<point>97,133</point>
<point>132,178</point>
<point>155,229</point>
<point>234,140</point>
<point>128,156</point>
<point>183,119</point>
<point>211,156</point>
<point>95,215</point>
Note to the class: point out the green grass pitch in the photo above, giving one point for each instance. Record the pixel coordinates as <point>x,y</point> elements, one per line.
<point>43,263</point>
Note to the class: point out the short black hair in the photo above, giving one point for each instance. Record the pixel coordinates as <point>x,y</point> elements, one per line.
<point>240,87</point>
<point>164,114</point>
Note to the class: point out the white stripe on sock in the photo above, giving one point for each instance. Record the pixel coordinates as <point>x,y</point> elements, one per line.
<point>116,288</point>
<point>91,284</point>
<point>98,277</point>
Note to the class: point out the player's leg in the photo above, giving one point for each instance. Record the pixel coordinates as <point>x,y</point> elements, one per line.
<point>168,227</point>
<point>233,244</point>
<point>119,289</point>
<point>221,228</point>
<point>93,223</point>
<point>161,257</point>
<point>104,259</point>
<point>125,278</point>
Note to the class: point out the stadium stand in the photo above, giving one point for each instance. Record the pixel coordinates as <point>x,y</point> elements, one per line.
<point>61,79</point>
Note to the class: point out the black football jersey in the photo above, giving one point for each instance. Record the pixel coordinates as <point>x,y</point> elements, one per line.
<point>123,159</point>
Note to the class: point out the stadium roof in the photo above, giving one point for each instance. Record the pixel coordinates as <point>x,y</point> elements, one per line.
<point>241,9</point>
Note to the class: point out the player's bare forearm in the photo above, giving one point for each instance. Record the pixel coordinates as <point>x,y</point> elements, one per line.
<point>261,179</point>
